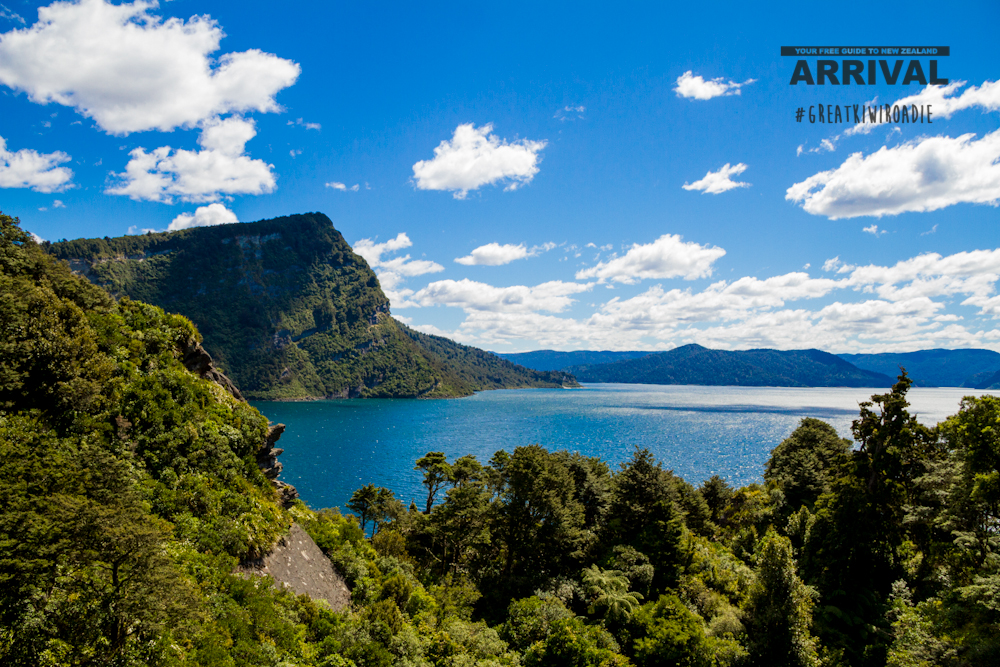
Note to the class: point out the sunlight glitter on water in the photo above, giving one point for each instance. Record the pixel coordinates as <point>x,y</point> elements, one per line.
<point>334,447</point>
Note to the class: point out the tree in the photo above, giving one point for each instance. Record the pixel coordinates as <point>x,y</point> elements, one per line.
<point>806,463</point>
<point>538,521</point>
<point>608,591</point>
<point>779,609</point>
<point>716,493</point>
<point>855,549</point>
<point>668,633</point>
<point>643,515</point>
<point>437,472</point>
<point>375,504</point>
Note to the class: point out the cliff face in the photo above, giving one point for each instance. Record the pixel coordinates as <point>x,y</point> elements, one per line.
<point>288,310</point>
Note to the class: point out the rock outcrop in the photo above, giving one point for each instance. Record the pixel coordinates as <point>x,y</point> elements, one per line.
<point>296,562</point>
<point>197,360</point>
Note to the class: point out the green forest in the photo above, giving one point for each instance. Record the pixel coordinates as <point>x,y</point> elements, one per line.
<point>130,492</point>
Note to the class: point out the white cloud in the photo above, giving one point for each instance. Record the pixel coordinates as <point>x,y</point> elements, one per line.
<point>901,307</point>
<point>131,71</point>
<point>695,87</point>
<point>372,252</point>
<point>204,216</point>
<point>474,158</point>
<point>965,264</point>
<point>553,296</point>
<point>929,231</point>
<point>221,168</point>
<point>717,182</point>
<point>27,168</point>
<point>36,238</point>
<point>393,272</point>
<point>926,174</point>
<point>58,204</point>
<point>308,126</point>
<point>343,187</point>
<point>873,230</point>
<point>666,257</point>
<point>944,104</point>
<point>494,254</point>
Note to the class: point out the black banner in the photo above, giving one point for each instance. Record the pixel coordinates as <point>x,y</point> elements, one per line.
<point>915,51</point>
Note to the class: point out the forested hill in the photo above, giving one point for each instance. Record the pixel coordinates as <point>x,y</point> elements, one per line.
<point>290,311</point>
<point>554,360</point>
<point>976,369</point>
<point>694,364</point>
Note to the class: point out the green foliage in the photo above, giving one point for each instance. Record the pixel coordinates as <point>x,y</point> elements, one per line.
<point>644,515</point>
<point>779,609</point>
<point>806,463</point>
<point>437,472</point>
<point>668,633</point>
<point>119,470</point>
<point>571,643</point>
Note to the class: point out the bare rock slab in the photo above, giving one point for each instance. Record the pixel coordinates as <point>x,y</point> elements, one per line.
<point>296,562</point>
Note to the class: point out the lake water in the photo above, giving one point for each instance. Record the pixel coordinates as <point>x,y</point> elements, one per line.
<point>334,447</point>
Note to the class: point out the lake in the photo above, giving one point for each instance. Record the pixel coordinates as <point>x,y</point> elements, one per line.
<point>334,447</point>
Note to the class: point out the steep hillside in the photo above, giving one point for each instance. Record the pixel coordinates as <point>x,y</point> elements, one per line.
<point>934,368</point>
<point>694,364</point>
<point>289,311</point>
<point>554,360</point>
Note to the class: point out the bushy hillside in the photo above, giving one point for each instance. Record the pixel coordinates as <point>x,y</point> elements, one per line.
<point>289,311</point>
<point>129,486</point>
<point>694,364</point>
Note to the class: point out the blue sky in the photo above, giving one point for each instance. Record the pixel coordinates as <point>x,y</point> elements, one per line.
<point>516,173</point>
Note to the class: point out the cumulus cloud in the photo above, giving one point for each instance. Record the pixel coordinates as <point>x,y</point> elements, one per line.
<point>204,216</point>
<point>904,306</point>
<point>553,296</point>
<point>343,187</point>
<point>131,71</point>
<point>926,174</point>
<point>372,251</point>
<point>695,87</point>
<point>944,103</point>
<point>28,168</point>
<point>221,168</point>
<point>474,158</point>
<point>494,254</point>
<point>666,257</point>
<point>717,182</point>
<point>393,272</point>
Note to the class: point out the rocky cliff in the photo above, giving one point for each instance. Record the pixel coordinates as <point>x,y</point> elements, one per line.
<point>291,312</point>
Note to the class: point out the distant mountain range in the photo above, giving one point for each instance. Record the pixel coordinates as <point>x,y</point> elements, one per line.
<point>694,364</point>
<point>975,369</point>
<point>552,360</point>
<point>290,311</point>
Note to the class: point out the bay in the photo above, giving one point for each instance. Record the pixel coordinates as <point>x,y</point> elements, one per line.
<point>334,447</point>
